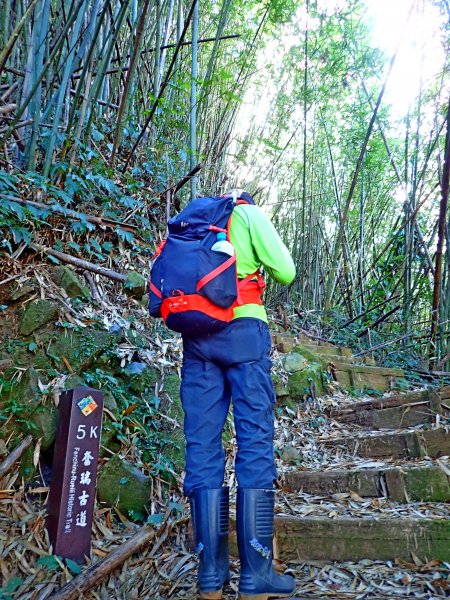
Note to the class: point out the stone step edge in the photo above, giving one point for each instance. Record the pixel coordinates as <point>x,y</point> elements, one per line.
<point>352,539</point>
<point>428,396</point>
<point>413,444</point>
<point>387,371</point>
<point>401,483</point>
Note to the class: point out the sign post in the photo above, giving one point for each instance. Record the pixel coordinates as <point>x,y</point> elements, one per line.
<point>74,472</point>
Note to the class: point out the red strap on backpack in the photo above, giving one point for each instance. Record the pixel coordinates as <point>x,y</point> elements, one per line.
<point>250,292</point>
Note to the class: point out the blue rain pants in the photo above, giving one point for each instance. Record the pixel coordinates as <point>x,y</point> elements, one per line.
<point>230,364</point>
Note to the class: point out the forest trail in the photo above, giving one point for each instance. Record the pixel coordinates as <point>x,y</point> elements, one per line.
<point>362,508</point>
<point>382,482</point>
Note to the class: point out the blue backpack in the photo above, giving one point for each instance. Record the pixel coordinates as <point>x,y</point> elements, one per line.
<point>193,288</point>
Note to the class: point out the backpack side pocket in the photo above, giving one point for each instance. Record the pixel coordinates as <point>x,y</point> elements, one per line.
<point>217,279</point>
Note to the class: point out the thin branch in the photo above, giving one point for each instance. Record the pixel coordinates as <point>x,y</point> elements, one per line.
<point>162,88</point>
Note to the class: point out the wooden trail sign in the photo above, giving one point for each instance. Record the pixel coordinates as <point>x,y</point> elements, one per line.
<point>74,472</point>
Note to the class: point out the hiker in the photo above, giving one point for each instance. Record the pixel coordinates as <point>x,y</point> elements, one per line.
<point>234,363</point>
<point>205,283</point>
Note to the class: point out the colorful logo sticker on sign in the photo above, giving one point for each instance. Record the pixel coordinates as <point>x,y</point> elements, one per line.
<point>87,405</point>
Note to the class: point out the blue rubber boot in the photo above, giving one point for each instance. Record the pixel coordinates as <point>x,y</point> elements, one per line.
<point>254,521</point>
<point>210,517</point>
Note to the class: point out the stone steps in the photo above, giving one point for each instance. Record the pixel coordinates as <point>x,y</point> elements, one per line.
<point>344,539</point>
<point>347,370</point>
<point>402,483</point>
<point>365,377</point>
<point>396,444</point>
<point>414,423</point>
<point>395,411</point>
<point>353,538</point>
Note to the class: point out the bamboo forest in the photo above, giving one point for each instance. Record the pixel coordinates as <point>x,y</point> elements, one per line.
<point>120,120</point>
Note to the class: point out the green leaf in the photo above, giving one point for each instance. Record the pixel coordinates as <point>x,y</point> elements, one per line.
<point>62,195</point>
<point>17,209</point>
<point>96,135</point>
<point>271,145</point>
<point>126,236</point>
<point>11,585</point>
<point>96,245</point>
<point>72,566</point>
<point>155,519</point>
<point>8,181</point>
<point>82,226</point>
<point>129,202</point>
<point>74,246</point>
<point>20,234</point>
<point>53,259</point>
<point>176,506</point>
<point>48,562</point>
<point>38,213</point>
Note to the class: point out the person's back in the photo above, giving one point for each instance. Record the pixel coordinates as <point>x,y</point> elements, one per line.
<point>234,364</point>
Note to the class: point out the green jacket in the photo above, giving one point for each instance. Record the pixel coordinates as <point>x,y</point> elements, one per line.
<point>257,243</point>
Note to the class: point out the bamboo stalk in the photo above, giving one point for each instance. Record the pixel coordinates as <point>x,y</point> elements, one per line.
<point>366,312</point>
<point>7,108</point>
<point>162,88</point>
<point>67,212</point>
<point>379,320</point>
<point>54,52</point>
<point>95,573</point>
<point>345,212</point>
<point>14,456</point>
<point>193,102</point>
<point>82,264</point>
<point>77,74</point>
<point>70,63</point>
<point>440,243</point>
<point>176,187</point>
<point>129,81</point>
<point>15,34</point>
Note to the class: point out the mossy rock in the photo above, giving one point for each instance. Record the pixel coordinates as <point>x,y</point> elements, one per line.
<point>170,405</point>
<point>44,421</point>
<point>431,485</point>
<point>25,354</point>
<point>146,380</point>
<point>19,292</point>
<point>299,384</point>
<point>172,387</point>
<point>81,350</point>
<point>137,339</point>
<point>309,355</point>
<point>27,388</point>
<point>135,285</point>
<point>37,314</point>
<point>281,389</point>
<point>121,484</point>
<point>294,361</point>
<point>71,284</point>
<point>27,468</point>
<point>144,301</point>
<point>74,381</point>
<point>25,400</point>
<point>110,402</point>
<point>109,442</point>
<point>175,451</point>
